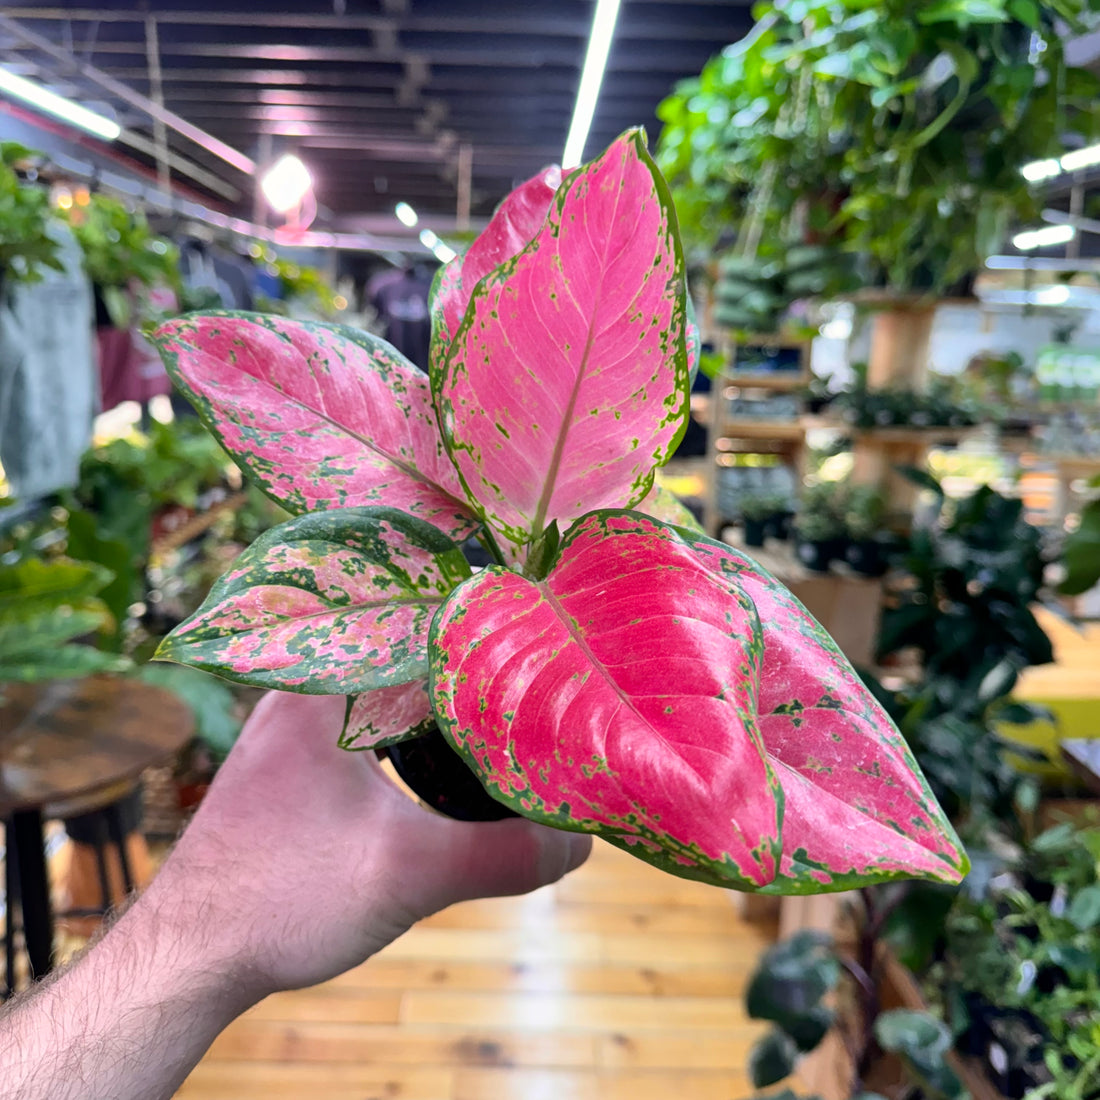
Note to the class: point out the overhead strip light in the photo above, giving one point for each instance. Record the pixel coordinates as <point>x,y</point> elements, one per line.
<point>595,64</point>
<point>1038,170</point>
<point>1046,237</point>
<point>1081,158</point>
<point>53,104</point>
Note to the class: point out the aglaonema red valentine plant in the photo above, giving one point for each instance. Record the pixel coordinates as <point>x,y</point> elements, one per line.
<point>613,672</point>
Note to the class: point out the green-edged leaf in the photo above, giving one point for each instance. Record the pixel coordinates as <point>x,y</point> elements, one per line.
<point>329,603</point>
<point>322,416</point>
<point>567,382</point>
<point>617,696</point>
<point>386,716</point>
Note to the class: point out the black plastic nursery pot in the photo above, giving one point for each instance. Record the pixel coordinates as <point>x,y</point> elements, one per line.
<point>440,778</point>
<point>755,531</point>
<point>779,525</point>
<point>866,557</point>
<point>816,556</point>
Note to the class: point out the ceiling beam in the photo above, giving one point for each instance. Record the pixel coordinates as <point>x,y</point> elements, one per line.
<point>143,103</point>
<point>540,53</point>
<point>534,24</point>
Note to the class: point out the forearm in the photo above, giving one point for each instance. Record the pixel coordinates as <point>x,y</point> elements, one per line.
<point>129,1019</point>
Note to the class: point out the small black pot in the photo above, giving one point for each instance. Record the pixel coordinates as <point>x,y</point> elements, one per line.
<point>440,777</point>
<point>755,530</point>
<point>779,525</point>
<point>816,556</point>
<point>866,557</point>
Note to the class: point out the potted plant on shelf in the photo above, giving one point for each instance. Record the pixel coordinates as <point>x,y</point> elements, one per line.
<point>819,526</point>
<point>759,514</point>
<point>609,672</point>
<point>864,516</point>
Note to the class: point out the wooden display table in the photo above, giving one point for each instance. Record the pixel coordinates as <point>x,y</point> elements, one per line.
<point>61,742</point>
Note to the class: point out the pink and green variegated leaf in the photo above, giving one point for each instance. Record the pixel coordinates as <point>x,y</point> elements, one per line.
<point>516,221</point>
<point>386,716</point>
<point>618,697</point>
<point>330,603</point>
<point>857,808</point>
<point>567,382</point>
<point>665,505</point>
<point>694,338</point>
<point>322,416</point>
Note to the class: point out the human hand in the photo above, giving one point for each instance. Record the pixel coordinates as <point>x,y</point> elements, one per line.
<point>304,859</point>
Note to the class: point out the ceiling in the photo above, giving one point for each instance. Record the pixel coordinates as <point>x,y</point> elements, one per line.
<point>383,99</point>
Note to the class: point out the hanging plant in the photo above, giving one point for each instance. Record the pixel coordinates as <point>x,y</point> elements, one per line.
<point>26,244</point>
<point>123,257</point>
<point>610,672</point>
<point>892,132</point>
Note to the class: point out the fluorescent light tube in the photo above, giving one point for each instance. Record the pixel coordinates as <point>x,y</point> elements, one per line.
<point>53,104</point>
<point>428,239</point>
<point>444,253</point>
<point>595,62</point>
<point>1081,158</point>
<point>1046,237</point>
<point>1041,170</point>
<point>406,215</point>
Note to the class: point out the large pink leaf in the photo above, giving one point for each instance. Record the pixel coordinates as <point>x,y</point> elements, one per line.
<point>323,416</point>
<point>857,808</point>
<point>513,688</point>
<point>333,603</point>
<point>516,221</point>
<point>566,383</point>
<point>386,716</point>
<point>618,696</point>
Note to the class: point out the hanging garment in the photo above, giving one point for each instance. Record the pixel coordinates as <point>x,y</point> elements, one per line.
<point>47,375</point>
<point>401,298</point>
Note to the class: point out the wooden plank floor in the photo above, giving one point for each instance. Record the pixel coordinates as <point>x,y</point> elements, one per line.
<point>620,983</point>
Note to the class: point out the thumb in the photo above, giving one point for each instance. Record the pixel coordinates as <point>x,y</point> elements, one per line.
<point>509,857</point>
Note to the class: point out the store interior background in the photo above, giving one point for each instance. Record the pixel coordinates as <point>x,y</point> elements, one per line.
<point>414,118</point>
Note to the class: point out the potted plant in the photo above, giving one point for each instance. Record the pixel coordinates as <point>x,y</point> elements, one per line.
<point>864,515</point>
<point>819,526</point>
<point>759,512</point>
<point>539,672</point>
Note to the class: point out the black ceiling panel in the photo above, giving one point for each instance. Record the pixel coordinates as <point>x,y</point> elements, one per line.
<point>378,96</point>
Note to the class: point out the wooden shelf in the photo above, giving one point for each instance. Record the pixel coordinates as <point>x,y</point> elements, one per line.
<point>917,436</point>
<point>778,381</point>
<point>745,428</point>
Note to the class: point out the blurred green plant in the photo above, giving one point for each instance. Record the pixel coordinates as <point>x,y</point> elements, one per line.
<point>44,606</point>
<point>123,257</point>
<point>1081,550</point>
<point>1020,969</point>
<point>850,125</point>
<point>26,244</point>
